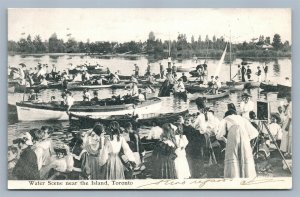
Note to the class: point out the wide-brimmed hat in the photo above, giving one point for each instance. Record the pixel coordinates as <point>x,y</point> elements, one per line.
<point>22,64</point>
<point>276,116</point>
<point>26,138</point>
<point>201,103</point>
<point>245,94</point>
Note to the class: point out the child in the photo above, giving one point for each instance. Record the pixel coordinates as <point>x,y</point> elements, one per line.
<point>12,158</point>
<point>62,163</point>
<point>275,131</point>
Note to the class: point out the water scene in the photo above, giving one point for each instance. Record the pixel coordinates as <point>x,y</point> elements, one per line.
<point>156,109</point>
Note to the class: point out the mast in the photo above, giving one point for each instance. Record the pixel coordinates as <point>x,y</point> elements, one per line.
<point>230,55</point>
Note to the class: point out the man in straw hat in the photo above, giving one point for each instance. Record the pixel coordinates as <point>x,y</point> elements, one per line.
<point>237,132</point>
<point>246,105</point>
<point>26,167</point>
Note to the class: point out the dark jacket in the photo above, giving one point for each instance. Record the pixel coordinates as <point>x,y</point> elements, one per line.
<point>27,167</point>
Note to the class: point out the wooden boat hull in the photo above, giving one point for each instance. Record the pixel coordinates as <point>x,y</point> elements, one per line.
<point>142,119</point>
<point>80,86</point>
<point>28,111</point>
<point>267,87</point>
<point>182,69</point>
<point>222,93</point>
<point>284,88</point>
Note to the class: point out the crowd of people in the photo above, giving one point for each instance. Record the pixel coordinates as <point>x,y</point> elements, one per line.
<point>244,73</point>
<point>182,149</point>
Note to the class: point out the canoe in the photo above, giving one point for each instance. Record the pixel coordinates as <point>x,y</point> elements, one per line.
<point>269,87</point>
<point>195,88</point>
<point>236,86</point>
<point>142,119</point>
<point>23,89</point>
<point>29,111</point>
<point>221,94</point>
<point>140,85</point>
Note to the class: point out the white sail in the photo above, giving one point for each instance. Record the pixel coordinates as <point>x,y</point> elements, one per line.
<point>220,62</point>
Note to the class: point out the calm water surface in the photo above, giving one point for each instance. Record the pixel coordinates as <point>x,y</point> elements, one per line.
<point>278,70</point>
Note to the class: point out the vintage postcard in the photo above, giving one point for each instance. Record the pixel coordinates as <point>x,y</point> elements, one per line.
<point>149,98</point>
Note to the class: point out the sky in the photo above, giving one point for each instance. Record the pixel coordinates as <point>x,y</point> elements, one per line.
<point>124,25</point>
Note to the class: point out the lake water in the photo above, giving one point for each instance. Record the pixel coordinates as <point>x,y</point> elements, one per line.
<point>278,70</point>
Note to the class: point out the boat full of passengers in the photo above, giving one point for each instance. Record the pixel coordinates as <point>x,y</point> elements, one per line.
<point>55,110</point>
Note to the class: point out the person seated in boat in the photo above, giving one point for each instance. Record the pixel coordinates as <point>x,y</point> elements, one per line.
<point>68,100</point>
<point>133,87</point>
<point>95,98</point>
<point>115,78</point>
<point>151,79</point>
<point>86,95</point>
<point>141,96</point>
<point>108,71</point>
<point>44,82</point>
<point>179,86</point>
<point>32,95</point>
<point>149,89</point>
<point>77,77</point>
<point>246,105</point>
<point>170,78</point>
<point>184,78</point>
<point>218,84</point>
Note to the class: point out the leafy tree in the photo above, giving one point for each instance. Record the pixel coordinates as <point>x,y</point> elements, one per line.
<point>277,44</point>
<point>39,46</point>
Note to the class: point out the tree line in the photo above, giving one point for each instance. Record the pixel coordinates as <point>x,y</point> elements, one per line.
<point>180,48</point>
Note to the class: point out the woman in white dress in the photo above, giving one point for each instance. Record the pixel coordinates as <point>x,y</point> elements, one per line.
<point>181,163</point>
<point>114,168</point>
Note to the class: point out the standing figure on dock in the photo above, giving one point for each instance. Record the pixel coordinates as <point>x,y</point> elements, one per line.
<point>218,84</point>
<point>286,142</point>
<point>174,69</point>
<point>266,69</point>
<point>258,74</point>
<point>148,70</point>
<point>164,155</point>
<point>162,70</point>
<point>239,73</point>
<point>237,132</point>
<point>243,71</point>
<point>136,70</point>
<point>246,105</point>
<point>249,73</point>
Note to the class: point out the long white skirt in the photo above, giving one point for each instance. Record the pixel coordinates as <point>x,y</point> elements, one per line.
<point>181,164</point>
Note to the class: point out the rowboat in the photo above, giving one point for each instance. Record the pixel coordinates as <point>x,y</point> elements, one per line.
<point>182,69</point>
<point>142,119</point>
<point>23,89</point>
<point>284,88</point>
<point>29,111</point>
<point>269,87</point>
<point>221,94</point>
<point>80,86</point>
